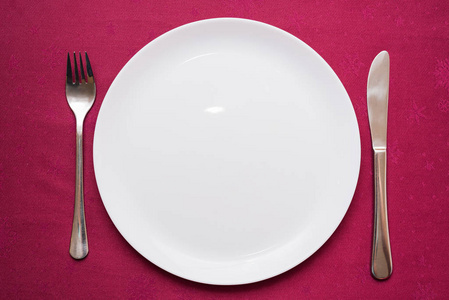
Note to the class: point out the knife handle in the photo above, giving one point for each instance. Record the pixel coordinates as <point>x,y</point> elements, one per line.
<point>381,264</point>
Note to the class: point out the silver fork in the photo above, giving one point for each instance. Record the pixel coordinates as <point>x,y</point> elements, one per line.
<point>80,96</point>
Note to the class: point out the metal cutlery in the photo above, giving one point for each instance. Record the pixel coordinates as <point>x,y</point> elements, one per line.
<point>377,98</point>
<point>80,95</point>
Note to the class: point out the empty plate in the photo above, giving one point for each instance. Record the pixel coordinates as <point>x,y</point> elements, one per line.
<point>226,151</point>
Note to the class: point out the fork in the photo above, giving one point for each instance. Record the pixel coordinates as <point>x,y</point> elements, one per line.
<point>80,96</point>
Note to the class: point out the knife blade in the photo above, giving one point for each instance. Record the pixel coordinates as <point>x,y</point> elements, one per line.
<point>377,98</point>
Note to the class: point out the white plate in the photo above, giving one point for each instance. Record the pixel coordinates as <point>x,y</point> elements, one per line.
<point>226,151</point>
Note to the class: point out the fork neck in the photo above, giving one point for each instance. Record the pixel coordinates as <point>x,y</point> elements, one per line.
<point>79,125</point>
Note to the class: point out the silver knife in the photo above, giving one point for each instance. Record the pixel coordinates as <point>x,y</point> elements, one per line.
<point>377,96</point>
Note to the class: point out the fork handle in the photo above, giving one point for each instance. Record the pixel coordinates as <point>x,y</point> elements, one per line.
<point>381,263</point>
<point>78,240</point>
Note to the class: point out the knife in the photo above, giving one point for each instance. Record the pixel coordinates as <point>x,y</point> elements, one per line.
<point>377,97</point>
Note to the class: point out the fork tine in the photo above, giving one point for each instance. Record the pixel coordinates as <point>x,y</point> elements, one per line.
<point>83,79</point>
<point>77,79</point>
<point>69,70</point>
<point>90,74</point>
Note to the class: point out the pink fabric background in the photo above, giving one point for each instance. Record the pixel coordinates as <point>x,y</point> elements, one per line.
<point>37,147</point>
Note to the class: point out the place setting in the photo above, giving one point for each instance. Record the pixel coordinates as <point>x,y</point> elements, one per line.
<point>224,150</point>
<point>227,151</point>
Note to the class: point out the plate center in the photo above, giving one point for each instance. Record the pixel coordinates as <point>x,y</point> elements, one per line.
<point>223,177</point>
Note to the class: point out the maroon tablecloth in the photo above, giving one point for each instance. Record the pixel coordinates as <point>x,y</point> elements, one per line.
<point>37,147</point>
